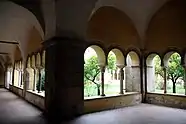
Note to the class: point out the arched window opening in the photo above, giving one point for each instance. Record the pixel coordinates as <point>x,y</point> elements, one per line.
<point>40,84</point>
<point>18,74</point>
<point>114,73</point>
<point>155,81</point>
<point>30,74</point>
<point>132,73</point>
<point>36,74</point>
<point>9,73</point>
<point>175,75</point>
<point>94,58</point>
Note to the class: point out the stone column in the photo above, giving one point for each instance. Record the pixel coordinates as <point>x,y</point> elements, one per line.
<point>184,78</point>
<point>39,71</point>
<point>150,78</point>
<point>64,86</point>
<point>102,68</point>
<point>13,71</point>
<point>34,84</point>
<point>165,79</point>
<point>121,78</point>
<point>22,77</point>
<point>25,79</point>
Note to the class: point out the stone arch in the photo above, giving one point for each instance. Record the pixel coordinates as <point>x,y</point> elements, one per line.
<point>167,27</point>
<point>132,72</point>
<point>30,72</point>
<point>100,54</point>
<point>33,61</point>
<point>20,26</point>
<point>150,73</point>
<point>144,11</point>
<point>167,55</point>
<point>108,24</point>
<point>38,60</point>
<point>150,58</point>
<point>135,58</point>
<point>28,62</point>
<point>120,59</point>
<point>34,7</point>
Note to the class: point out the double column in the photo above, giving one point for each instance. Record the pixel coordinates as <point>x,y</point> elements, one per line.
<point>121,77</point>
<point>184,78</point>
<point>64,75</point>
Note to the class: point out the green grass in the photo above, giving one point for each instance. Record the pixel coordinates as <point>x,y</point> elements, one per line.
<point>110,89</point>
<point>179,90</point>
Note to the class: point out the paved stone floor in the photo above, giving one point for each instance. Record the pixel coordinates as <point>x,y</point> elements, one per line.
<point>14,110</point>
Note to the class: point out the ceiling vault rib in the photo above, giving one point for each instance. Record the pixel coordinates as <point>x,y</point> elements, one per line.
<point>7,42</point>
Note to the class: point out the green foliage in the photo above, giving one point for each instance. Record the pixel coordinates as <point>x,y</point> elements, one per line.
<point>91,69</point>
<point>158,73</point>
<point>111,61</point>
<point>158,68</point>
<point>42,82</point>
<point>175,69</point>
<point>92,74</point>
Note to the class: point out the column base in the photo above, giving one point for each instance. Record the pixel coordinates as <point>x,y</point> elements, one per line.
<point>121,93</point>
<point>103,95</point>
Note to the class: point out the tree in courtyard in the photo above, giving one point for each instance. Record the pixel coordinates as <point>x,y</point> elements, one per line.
<point>92,70</point>
<point>111,62</point>
<point>174,70</point>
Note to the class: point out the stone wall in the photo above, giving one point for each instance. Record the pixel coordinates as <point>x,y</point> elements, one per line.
<point>176,101</point>
<point>35,99</point>
<point>132,79</point>
<point>90,105</point>
<point>99,104</point>
<point>16,90</point>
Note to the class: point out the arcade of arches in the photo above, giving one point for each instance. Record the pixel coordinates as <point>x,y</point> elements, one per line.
<point>45,46</point>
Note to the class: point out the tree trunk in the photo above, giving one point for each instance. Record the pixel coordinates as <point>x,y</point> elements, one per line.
<point>174,87</point>
<point>98,90</point>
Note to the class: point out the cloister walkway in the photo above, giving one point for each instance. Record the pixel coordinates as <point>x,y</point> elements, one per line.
<point>14,110</point>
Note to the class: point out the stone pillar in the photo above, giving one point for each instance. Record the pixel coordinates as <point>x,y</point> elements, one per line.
<point>115,74</point>
<point>34,84</point>
<point>133,79</point>
<point>165,79</point>
<point>25,79</point>
<point>121,78</point>
<point>39,76</point>
<point>64,86</point>
<point>184,78</point>
<point>13,71</point>
<point>102,68</point>
<point>150,78</point>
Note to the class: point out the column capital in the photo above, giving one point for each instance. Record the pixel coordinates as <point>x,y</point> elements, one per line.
<point>120,66</point>
<point>164,67</point>
<point>102,68</point>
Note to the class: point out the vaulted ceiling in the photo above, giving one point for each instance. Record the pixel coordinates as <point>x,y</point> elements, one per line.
<point>23,19</point>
